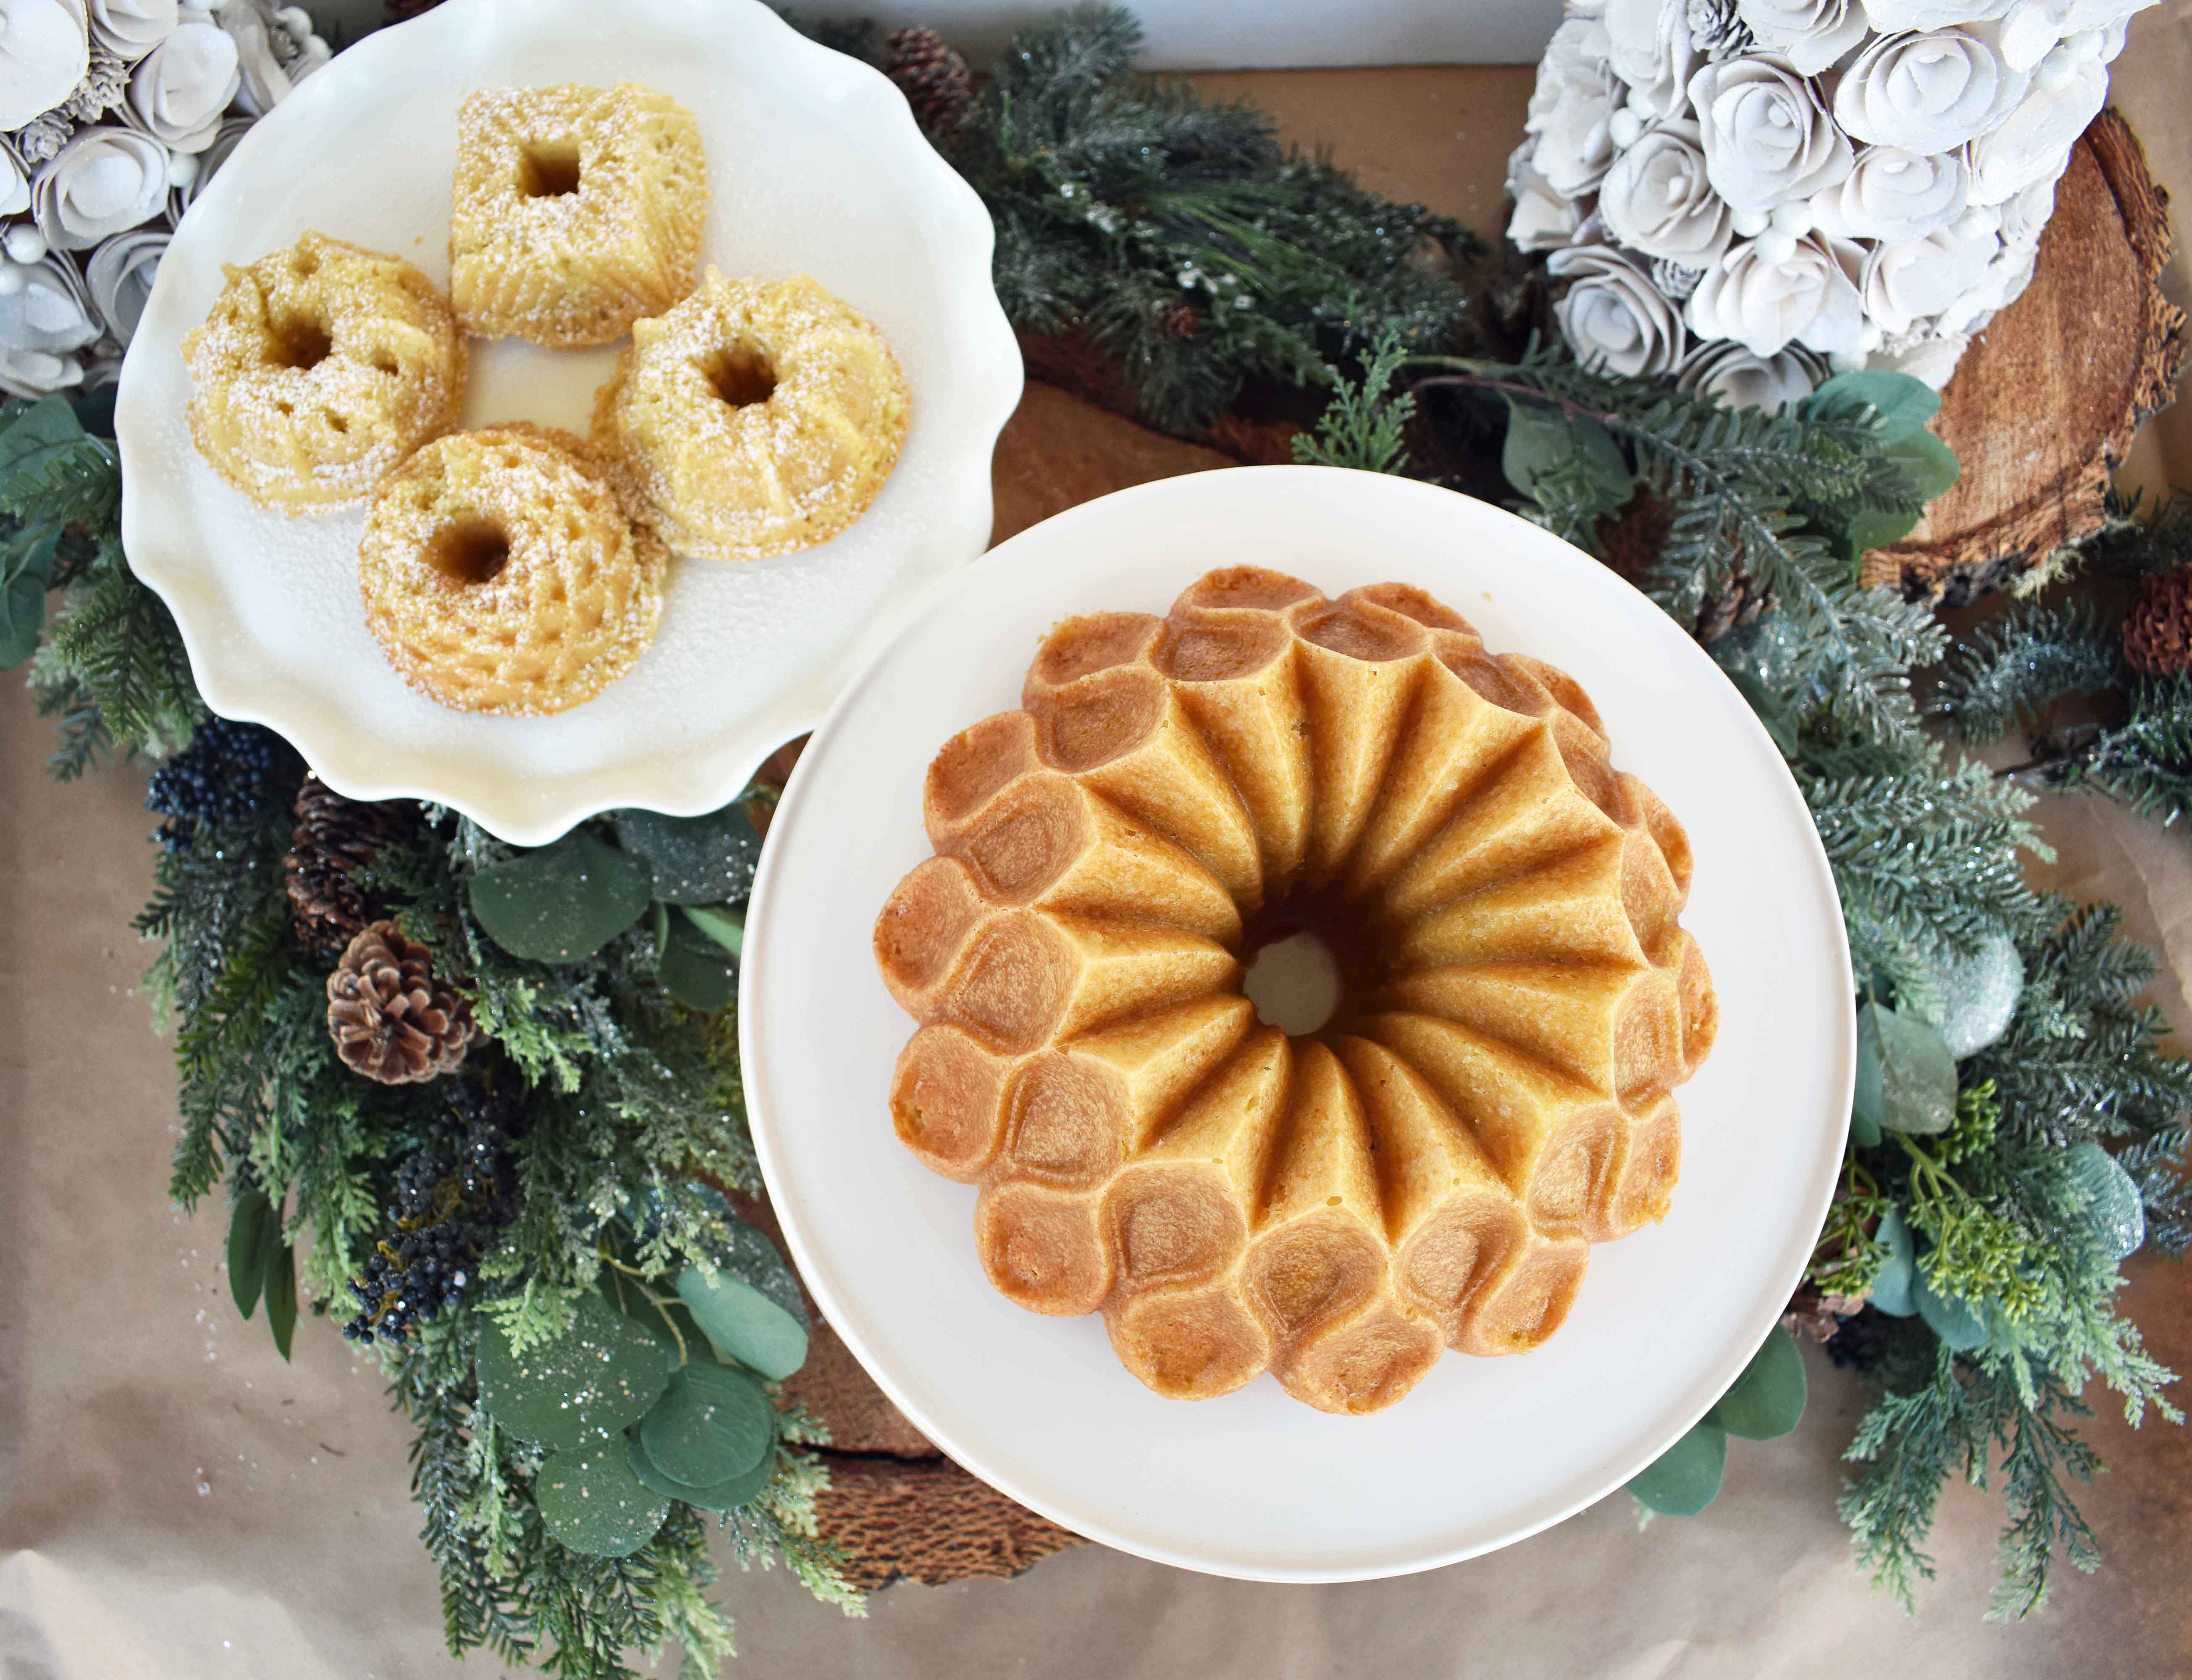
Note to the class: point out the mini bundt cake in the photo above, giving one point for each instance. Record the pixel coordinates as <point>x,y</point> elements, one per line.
<point>576,210</point>
<point>1430,1166</point>
<point>318,370</point>
<point>755,418</point>
<point>500,574</point>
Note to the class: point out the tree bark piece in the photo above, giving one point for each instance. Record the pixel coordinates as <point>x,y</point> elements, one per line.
<point>927,1520</point>
<point>2049,394</point>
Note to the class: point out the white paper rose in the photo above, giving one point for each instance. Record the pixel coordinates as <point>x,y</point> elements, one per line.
<point>1543,220</point>
<point>1889,16</point>
<point>1926,93</point>
<point>44,52</point>
<point>1894,195</point>
<point>1648,42</point>
<point>1906,285</point>
<point>129,29</point>
<point>1612,315</point>
<point>1656,198</point>
<point>40,324</point>
<point>1767,140</point>
<point>275,48</point>
<point>1810,34</point>
<point>179,89</point>
<point>1809,298</point>
<point>2025,213</point>
<point>15,182</point>
<point>186,190</point>
<point>104,181</point>
<point>1729,371</point>
<point>1575,96</point>
<point>119,277</point>
<point>1931,357</point>
<point>2033,142</point>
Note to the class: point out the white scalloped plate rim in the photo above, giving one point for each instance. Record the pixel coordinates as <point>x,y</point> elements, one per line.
<point>1040,1408</point>
<point>484,42</point>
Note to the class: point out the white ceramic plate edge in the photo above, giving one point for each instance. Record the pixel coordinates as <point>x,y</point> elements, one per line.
<point>822,1278</point>
<point>347,760</point>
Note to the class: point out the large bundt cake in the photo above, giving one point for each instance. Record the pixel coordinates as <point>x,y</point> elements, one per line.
<point>1429,1165</point>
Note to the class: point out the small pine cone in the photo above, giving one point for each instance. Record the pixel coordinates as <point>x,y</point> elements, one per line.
<point>1739,602</point>
<point>391,1019</point>
<point>40,139</point>
<point>934,78</point>
<point>2157,631</point>
<point>1180,322</point>
<point>336,837</point>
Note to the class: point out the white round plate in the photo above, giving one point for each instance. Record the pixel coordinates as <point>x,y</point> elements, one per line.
<point>1256,1485</point>
<point>815,166</point>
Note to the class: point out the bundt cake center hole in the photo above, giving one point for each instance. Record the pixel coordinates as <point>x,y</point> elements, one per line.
<point>302,343</point>
<point>548,170</point>
<point>741,375</point>
<point>1295,983</point>
<point>469,550</point>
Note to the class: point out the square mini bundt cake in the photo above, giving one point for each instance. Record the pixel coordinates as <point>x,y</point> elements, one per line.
<point>577,211</point>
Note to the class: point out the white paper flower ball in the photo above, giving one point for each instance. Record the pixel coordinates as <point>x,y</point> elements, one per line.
<point>1810,299</point>
<point>1766,135</point>
<point>179,89</point>
<point>1544,218</point>
<point>1907,284</point>
<point>129,29</point>
<point>44,51</point>
<point>103,182</point>
<point>1613,314</point>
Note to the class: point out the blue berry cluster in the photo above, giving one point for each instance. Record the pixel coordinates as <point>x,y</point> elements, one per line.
<point>228,775</point>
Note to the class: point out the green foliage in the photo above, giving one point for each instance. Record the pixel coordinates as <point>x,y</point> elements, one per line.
<point>1363,425</point>
<point>1177,235</point>
<point>1684,1480</point>
<point>1773,498</point>
<point>2008,674</point>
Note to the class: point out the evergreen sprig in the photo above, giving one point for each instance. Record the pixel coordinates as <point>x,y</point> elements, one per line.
<point>1177,236</point>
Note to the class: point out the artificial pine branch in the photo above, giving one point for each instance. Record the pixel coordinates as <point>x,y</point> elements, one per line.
<point>2009,674</point>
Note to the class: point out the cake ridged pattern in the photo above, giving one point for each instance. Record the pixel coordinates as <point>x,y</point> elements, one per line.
<point>1427,1170</point>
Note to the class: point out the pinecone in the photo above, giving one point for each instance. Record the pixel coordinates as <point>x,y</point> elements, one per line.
<point>934,78</point>
<point>1634,537</point>
<point>1180,322</point>
<point>104,86</point>
<point>391,1019</point>
<point>40,139</point>
<point>2157,631</point>
<point>336,837</point>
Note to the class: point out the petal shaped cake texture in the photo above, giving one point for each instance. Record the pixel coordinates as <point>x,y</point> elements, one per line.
<point>1428,1169</point>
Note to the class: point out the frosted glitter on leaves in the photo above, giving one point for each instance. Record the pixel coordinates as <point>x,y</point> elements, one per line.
<point>1978,995</point>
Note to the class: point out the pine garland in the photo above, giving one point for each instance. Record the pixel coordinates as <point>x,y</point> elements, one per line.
<point>1177,239</point>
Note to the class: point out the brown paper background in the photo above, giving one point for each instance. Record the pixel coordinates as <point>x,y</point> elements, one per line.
<point>176,1502</point>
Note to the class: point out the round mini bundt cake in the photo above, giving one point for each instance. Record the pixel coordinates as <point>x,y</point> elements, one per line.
<point>576,211</point>
<point>500,575</point>
<point>755,418</point>
<point>1430,1166</point>
<point>318,370</point>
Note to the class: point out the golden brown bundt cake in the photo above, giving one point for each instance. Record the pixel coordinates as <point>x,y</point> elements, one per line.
<point>1426,1169</point>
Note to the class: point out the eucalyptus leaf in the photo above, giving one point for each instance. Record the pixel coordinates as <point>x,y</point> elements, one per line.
<point>1871,528</point>
<point>592,1501</point>
<point>1538,442</point>
<point>1683,1480</point>
<point>726,926</point>
<point>564,901</point>
<point>587,1384</point>
<point>252,1229</point>
<point>45,433</point>
<point>694,968</point>
<point>1768,1398</point>
<point>281,1291</point>
<point>1955,1322</point>
<point>1890,1285</point>
<point>713,1422</point>
<point>1865,1098</point>
<point>696,860</point>
<point>725,1496</point>
<point>2114,1205</point>
<point>752,1308</point>
<point>25,574</point>
<point>1917,1073</point>
<point>1901,403</point>
<point>1931,465</point>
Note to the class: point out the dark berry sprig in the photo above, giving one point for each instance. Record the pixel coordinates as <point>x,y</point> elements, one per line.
<point>229,774</point>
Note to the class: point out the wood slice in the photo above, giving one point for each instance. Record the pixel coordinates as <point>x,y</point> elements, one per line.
<point>2046,399</point>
